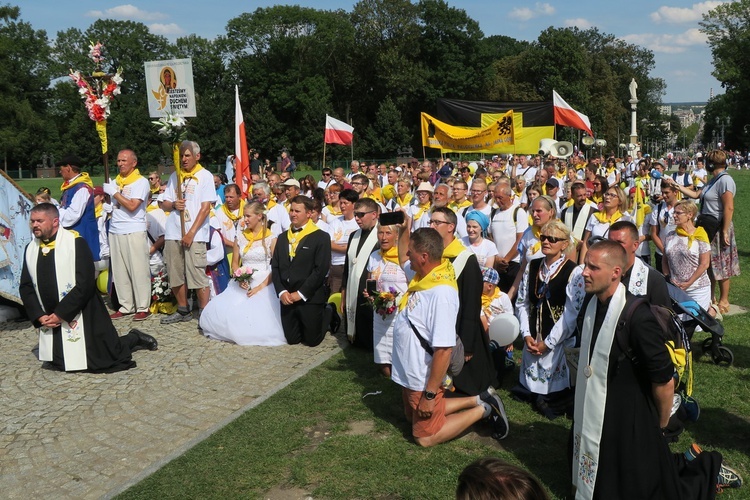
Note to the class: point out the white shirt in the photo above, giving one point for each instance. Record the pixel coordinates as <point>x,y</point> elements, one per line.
<point>433,313</point>
<point>228,226</point>
<point>280,218</point>
<point>340,229</point>
<point>484,250</point>
<point>123,220</point>
<point>504,229</point>
<point>195,192</point>
<point>156,221</point>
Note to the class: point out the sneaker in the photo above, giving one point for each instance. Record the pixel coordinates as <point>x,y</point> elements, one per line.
<point>497,418</point>
<point>117,315</point>
<point>727,478</point>
<point>141,316</point>
<point>176,318</point>
<point>692,452</point>
<point>692,408</point>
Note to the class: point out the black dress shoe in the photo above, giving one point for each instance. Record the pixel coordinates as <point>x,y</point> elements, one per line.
<point>145,340</point>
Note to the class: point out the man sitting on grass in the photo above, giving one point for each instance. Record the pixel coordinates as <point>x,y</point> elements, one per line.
<point>429,308</point>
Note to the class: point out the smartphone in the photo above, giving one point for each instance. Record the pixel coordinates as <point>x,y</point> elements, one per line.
<point>391,218</point>
<point>372,287</point>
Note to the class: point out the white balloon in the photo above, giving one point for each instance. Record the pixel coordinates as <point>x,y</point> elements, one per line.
<point>504,329</point>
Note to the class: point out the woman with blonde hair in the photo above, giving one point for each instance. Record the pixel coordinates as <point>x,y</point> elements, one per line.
<point>614,208</point>
<point>248,312</point>
<point>715,217</point>
<point>547,313</point>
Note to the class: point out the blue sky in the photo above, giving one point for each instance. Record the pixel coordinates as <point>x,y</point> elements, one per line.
<point>670,29</point>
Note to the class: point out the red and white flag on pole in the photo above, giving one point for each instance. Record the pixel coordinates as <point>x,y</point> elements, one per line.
<point>569,117</point>
<point>338,132</point>
<point>241,159</point>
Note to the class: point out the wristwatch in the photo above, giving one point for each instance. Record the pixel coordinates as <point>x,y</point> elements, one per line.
<point>429,396</point>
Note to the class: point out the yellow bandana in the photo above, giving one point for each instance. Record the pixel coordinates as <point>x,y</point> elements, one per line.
<point>596,199</point>
<point>99,210</point>
<point>602,217</point>
<point>82,177</point>
<point>487,299</point>
<point>252,237</point>
<point>230,215</point>
<point>699,234</point>
<point>422,209</point>
<point>271,204</point>
<point>458,206</point>
<point>335,211</point>
<point>295,238</point>
<point>443,274</point>
<point>47,247</point>
<point>191,175</point>
<point>405,200</point>
<point>154,190</point>
<point>453,249</point>
<point>390,255</point>
<point>536,231</point>
<point>131,178</point>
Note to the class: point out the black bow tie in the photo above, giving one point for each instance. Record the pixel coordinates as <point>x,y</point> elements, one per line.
<point>297,229</point>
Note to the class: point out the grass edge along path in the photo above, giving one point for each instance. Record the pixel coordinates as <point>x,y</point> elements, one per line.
<point>304,436</point>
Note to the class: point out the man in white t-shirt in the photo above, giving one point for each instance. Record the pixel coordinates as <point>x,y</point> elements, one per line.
<point>185,253</point>
<point>507,225</point>
<point>430,309</point>
<point>128,242</point>
<point>340,228</point>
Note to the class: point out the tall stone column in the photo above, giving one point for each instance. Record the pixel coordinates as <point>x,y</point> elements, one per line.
<point>633,116</point>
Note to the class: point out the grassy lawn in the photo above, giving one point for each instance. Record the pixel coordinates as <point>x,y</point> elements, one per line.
<point>321,437</point>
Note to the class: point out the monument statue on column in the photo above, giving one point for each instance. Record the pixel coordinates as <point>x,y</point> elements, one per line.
<point>633,111</point>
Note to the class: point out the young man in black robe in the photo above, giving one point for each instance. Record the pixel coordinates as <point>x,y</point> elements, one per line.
<point>623,400</point>
<point>58,290</point>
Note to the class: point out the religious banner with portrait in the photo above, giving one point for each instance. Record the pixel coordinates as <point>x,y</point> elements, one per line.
<point>169,88</point>
<point>15,234</point>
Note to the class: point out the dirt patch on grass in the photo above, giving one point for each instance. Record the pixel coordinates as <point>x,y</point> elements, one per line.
<point>360,428</point>
<point>316,434</point>
<point>279,493</point>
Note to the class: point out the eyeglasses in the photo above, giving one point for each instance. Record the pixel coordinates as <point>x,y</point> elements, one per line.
<point>474,191</point>
<point>551,239</point>
<point>434,222</point>
<point>358,184</point>
<point>678,213</point>
<point>359,215</point>
<point>609,195</point>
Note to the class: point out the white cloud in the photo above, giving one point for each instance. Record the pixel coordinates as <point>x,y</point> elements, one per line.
<point>526,13</point>
<point>667,43</point>
<point>677,15</point>
<point>165,29</point>
<point>578,22</point>
<point>127,12</point>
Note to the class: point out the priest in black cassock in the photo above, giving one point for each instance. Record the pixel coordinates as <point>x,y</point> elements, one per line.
<point>58,290</point>
<point>362,242</point>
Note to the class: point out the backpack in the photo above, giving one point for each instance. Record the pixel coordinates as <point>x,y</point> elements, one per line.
<point>292,166</point>
<point>678,342</point>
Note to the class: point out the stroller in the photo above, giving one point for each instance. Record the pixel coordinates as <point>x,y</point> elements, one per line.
<point>698,316</point>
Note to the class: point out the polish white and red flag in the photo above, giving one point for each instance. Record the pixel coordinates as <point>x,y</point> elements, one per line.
<point>569,117</point>
<point>241,159</point>
<point>338,132</point>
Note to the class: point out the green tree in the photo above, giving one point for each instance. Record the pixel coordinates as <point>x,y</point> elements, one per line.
<point>387,134</point>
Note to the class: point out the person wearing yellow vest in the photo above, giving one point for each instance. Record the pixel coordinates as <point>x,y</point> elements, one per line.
<point>129,250</point>
<point>58,291</point>
<point>77,211</point>
<point>299,266</point>
<point>429,309</point>
<point>185,254</point>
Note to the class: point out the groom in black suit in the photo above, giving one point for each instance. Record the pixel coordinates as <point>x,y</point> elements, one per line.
<point>299,265</point>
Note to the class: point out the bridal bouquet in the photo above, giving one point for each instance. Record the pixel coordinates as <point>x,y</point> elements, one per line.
<point>160,290</point>
<point>384,303</point>
<point>243,274</point>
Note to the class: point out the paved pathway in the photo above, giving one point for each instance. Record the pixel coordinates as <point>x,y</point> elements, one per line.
<point>91,436</point>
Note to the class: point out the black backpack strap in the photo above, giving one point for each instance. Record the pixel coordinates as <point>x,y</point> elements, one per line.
<point>622,331</point>
<point>422,341</point>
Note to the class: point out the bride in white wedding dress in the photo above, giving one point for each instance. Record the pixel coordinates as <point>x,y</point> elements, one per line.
<point>248,314</point>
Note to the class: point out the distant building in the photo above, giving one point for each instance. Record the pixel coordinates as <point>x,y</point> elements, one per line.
<point>665,110</point>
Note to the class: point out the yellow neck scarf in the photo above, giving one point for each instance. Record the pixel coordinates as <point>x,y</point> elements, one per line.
<point>405,200</point>
<point>271,204</point>
<point>422,209</point>
<point>253,237</point>
<point>454,248</point>
<point>443,274</point>
<point>602,217</point>
<point>131,178</point>
<point>536,231</point>
<point>487,299</point>
<point>699,234</point>
<point>154,190</point>
<point>191,175</point>
<point>47,247</point>
<point>390,255</point>
<point>82,177</point>
<point>334,210</point>
<point>596,198</point>
<point>230,215</point>
<point>295,238</point>
<point>98,210</point>
<point>457,206</point>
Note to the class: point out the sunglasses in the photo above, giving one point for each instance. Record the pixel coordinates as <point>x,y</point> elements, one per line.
<point>326,174</point>
<point>551,239</point>
<point>359,215</point>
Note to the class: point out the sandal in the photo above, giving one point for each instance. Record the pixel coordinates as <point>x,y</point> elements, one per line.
<point>723,308</point>
<point>717,313</point>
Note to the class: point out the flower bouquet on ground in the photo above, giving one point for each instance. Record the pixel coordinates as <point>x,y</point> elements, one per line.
<point>384,303</point>
<point>243,274</point>
<point>162,299</point>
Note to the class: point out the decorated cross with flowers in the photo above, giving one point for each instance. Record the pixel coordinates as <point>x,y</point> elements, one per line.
<point>97,91</point>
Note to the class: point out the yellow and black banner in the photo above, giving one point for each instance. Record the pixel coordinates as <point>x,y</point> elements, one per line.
<point>495,134</point>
